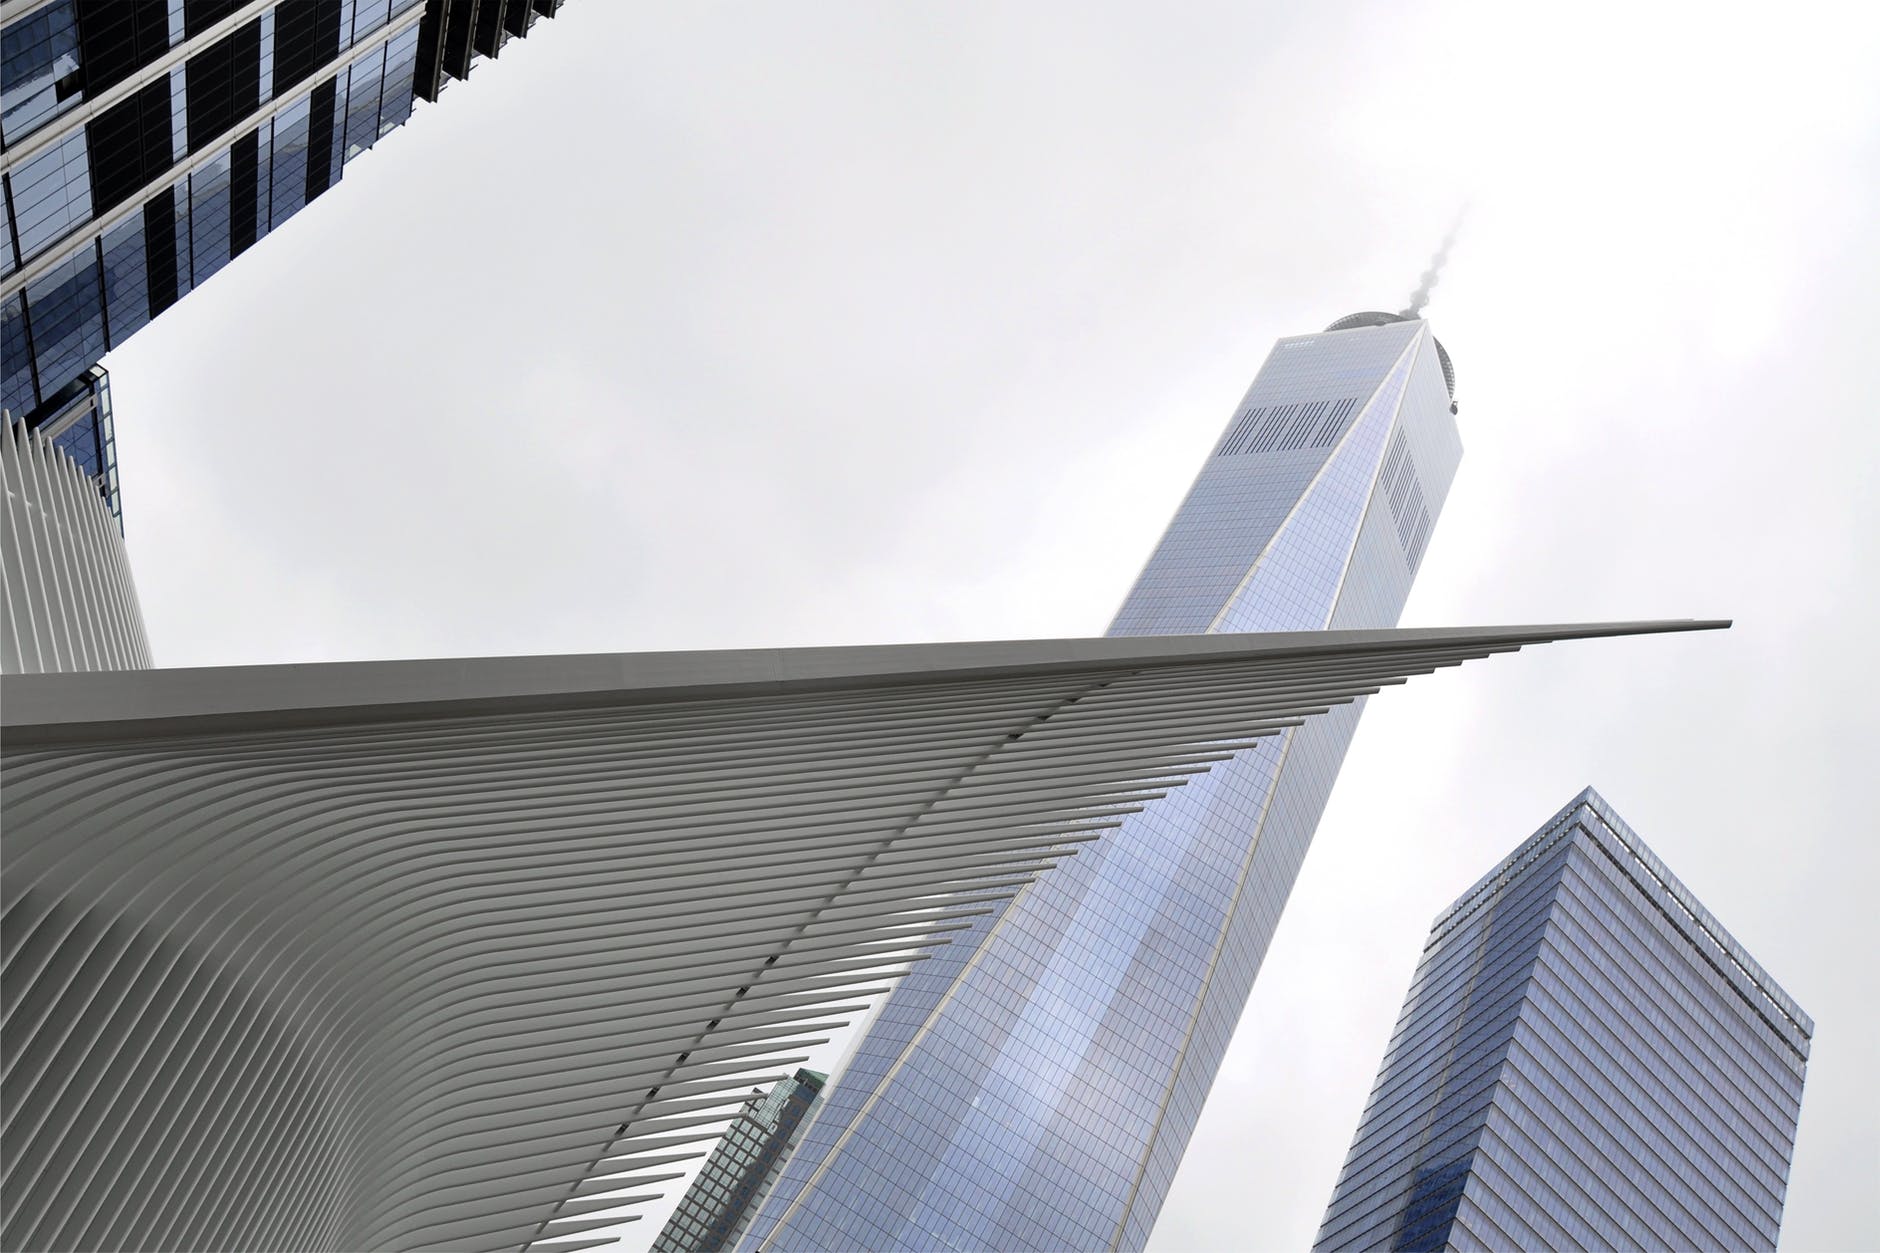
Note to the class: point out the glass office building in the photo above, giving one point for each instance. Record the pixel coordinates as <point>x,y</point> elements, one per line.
<point>737,1177</point>
<point>78,422</point>
<point>148,144</point>
<point>1033,1085</point>
<point>1586,1060</point>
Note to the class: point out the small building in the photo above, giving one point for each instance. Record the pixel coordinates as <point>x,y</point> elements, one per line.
<point>726,1193</point>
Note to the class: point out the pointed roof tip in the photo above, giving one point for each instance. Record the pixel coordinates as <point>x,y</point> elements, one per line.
<point>1643,626</point>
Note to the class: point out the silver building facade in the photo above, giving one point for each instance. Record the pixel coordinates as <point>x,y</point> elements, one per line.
<point>1586,1060</point>
<point>1034,1087</point>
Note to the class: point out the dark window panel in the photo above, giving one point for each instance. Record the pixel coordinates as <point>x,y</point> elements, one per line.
<point>160,249</point>
<point>320,140</point>
<point>224,85</point>
<point>306,37</point>
<point>200,15</point>
<point>428,77</point>
<point>116,38</point>
<point>130,145</point>
<point>244,207</point>
<point>459,30</point>
<point>489,27</point>
<point>516,17</point>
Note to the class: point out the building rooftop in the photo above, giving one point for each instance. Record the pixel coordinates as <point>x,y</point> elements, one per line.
<point>1589,812</point>
<point>1373,317</point>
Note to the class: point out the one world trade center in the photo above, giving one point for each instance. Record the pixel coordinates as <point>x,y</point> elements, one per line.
<point>1034,1084</point>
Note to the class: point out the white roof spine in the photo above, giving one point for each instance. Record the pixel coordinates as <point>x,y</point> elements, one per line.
<point>397,972</point>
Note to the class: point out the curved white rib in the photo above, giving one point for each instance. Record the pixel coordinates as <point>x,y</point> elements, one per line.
<point>392,981</point>
<point>65,586</point>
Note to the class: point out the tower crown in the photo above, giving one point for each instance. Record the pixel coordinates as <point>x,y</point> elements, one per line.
<point>1373,317</point>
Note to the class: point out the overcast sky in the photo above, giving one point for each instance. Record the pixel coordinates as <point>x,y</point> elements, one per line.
<point>800,324</point>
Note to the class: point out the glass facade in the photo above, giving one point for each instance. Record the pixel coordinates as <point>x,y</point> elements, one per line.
<point>736,1178</point>
<point>1034,1084</point>
<point>78,422</point>
<point>1585,1060</point>
<point>148,144</point>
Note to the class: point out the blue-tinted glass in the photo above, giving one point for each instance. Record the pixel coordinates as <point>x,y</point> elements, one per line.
<point>51,193</point>
<point>185,270</point>
<point>16,365</point>
<point>209,192</point>
<point>179,113</point>
<point>1578,1065</point>
<point>336,146</point>
<point>368,16</point>
<point>84,444</point>
<point>38,69</point>
<point>401,61</point>
<point>67,319</point>
<point>126,285</point>
<point>362,103</point>
<point>267,57</point>
<point>290,161</point>
<point>264,179</point>
<point>1033,1085</point>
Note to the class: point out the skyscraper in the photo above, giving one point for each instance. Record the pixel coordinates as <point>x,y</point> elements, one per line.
<point>147,144</point>
<point>1586,1060</point>
<point>1034,1086</point>
<point>735,1180</point>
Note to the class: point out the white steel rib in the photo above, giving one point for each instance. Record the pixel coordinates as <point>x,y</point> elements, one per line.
<point>66,597</point>
<point>468,954</point>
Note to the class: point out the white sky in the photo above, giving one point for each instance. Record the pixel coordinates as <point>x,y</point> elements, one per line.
<point>813,324</point>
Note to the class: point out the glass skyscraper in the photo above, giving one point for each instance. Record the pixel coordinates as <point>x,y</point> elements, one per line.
<point>1586,1060</point>
<point>78,422</point>
<point>1034,1084</point>
<point>149,142</point>
<point>737,1177</point>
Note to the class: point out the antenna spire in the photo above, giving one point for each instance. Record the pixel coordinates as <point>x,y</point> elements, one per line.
<point>1421,296</point>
